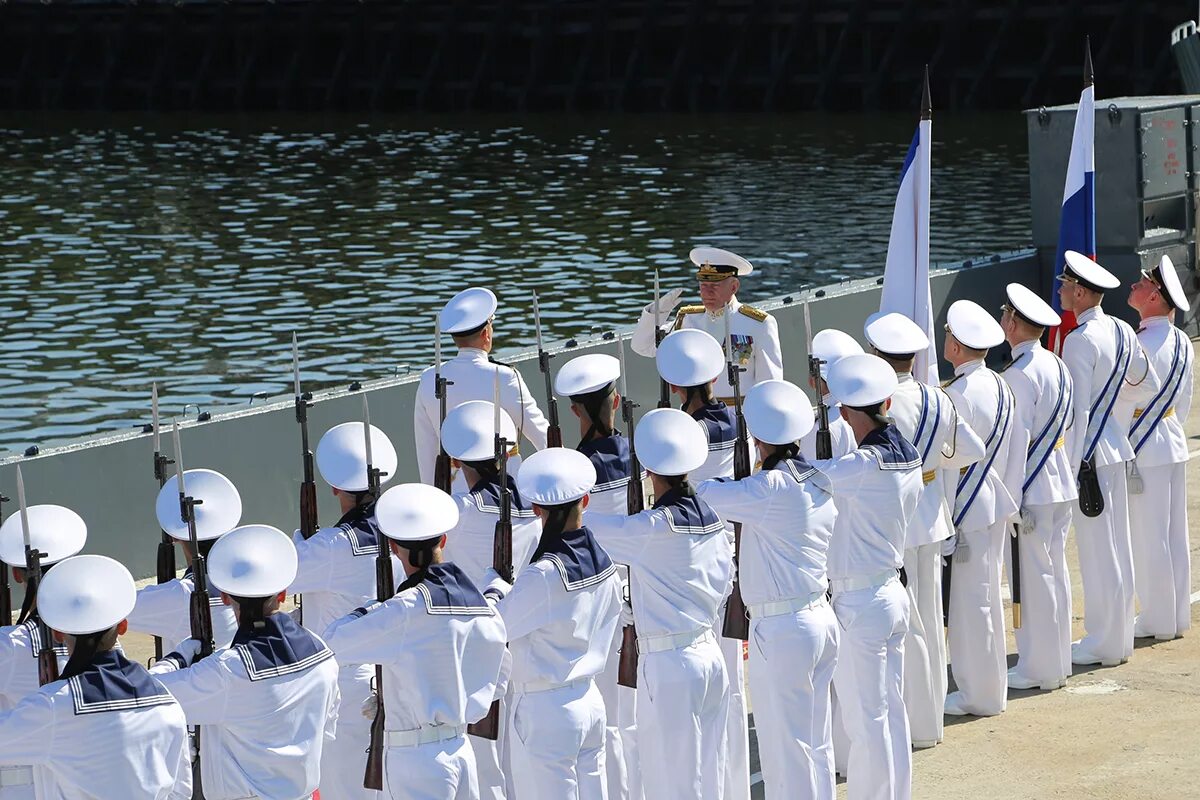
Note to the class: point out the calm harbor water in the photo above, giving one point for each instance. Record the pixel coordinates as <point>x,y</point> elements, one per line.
<point>187,251</point>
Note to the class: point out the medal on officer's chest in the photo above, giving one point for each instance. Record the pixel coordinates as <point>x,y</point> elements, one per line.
<point>743,349</point>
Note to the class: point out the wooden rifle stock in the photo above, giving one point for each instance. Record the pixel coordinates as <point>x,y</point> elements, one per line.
<point>47,660</point>
<point>554,433</point>
<point>737,621</point>
<point>635,503</point>
<point>385,588</point>
<point>165,557</point>
<point>824,443</point>
<point>441,467</point>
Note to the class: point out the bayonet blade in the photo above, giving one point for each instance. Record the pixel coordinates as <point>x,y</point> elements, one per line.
<point>728,337</point>
<point>367,437</point>
<point>808,334</point>
<point>23,508</point>
<point>537,322</point>
<point>657,316</point>
<point>296,364</point>
<point>437,344</point>
<point>496,403</point>
<point>154,417</point>
<point>178,456</point>
<point>621,385</point>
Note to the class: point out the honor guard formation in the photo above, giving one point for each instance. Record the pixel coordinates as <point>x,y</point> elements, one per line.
<point>571,624</point>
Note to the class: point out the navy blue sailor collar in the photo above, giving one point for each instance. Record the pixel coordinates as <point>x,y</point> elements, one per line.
<point>893,451</point>
<point>580,560</point>
<point>486,495</point>
<point>114,683</point>
<point>359,526</point>
<point>277,646</point>
<point>447,590</point>
<point>796,466</point>
<point>687,513</point>
<point>720,423</point>
<point>610,457</point>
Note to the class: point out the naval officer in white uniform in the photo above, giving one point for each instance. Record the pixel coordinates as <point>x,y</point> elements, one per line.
<point>1158,512</point>
<point>983,507</point>
<point>881,483</point>
<point>335,573</point>
<point>106,728</point>
<point>925,416</point>
<point>441,646</point>
<point>787,517</point>
<point>468,318</point>
<point>1106,361</point>
<point>754,332</point>
<point>1043,481</point>
<point>561,615</point>
<point>830,346</point>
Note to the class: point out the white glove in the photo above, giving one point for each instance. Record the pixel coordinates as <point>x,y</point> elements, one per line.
<point>666,304</point>
<point>495,585</point>
<point>949,545</point>
<point>1025,523</point>
<point>370,706</point>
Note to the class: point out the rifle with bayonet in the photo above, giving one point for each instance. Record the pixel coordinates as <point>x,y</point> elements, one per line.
<point>441,468</point>
<point>308,488</point>
<point>554,434</point>
<point>664,388</point>
<point>824,444</point>
<point>635,503</point>
<point>385,588</point>
<point>201,610</point>
<point>5,589</point>
<point>46,658</point>
<point>502,554</point>
<point>737,622</point>
<point>165,571</point>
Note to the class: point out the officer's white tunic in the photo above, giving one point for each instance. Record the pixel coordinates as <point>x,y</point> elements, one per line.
<point>983,507</point>
<point>840,434</point>
<point>925,416</point>
<point>787,517</point>
<point>680,561</point>
<point>755,337</point>
<point>1043,477</point>
<point>19,646</point>
<point>1158,514</point>
<point>561,616</point>
<point>1091,353</point>
<point>881,485</point>
<point>112,731</point>
<point>336,574</point>
<point>441,646</point>
<point>164,609</point>
<point>473,378</point>
<point>265,707</point>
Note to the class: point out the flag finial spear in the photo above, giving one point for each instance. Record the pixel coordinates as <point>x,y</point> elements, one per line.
<point>926,106</point>
<point>1089,75</point>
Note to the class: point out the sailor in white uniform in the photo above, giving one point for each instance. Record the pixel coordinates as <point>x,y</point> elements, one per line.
<point>925,416</point>
<point>589,382</point>
<point>881,479</point>
<point>830,346</point>
<point>1044,487</point>
<point>1105,360</point>
<point>441,646</point>
<point>787,517</point>
<point>163,609</point>
<point>106,728</point>
<point>335,573</point>
<point>561,615</point>
<point>468,317</point>
<point>680,561</point>
<point>1158,512</point>
<point>983,508</point>
<point>754,332</point>
<point>57,533</point>
<point>691,361</point>
<point>265,705</point>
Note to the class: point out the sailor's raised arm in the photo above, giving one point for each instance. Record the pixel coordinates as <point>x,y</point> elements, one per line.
<point>745,501</point>
<point>625,538</point>
<point>27,731</point>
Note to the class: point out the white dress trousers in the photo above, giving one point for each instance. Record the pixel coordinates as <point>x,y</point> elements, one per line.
<point>558,743</point>
<point>1161,554</point>
<point>1044,638</point>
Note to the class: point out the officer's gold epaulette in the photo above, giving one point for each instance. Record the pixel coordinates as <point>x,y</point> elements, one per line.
<point>684,311</point>
<point>949,382</point>
<point>756,314</point>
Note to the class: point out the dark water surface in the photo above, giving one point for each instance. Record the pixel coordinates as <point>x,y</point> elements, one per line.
<point>187,250</point>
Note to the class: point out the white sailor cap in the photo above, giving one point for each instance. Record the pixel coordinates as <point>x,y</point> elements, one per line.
<point>689,357</point>
<point>555,476</point>
<point>1167,280</point>
<point>413,512</point>
<point>56,531</point>
<point>219,512</point>
<point>1033,308</point>
<point>862,381</point>
<point>716,264</point>
<point>586,374</point>
<point>469,431</point>
<point>86,594</point>
<point>670,442</point>
<point>972,326</point>
<point>468,311</point>
<point>1087,273</point>
<point>253,561</point>
<point>831,345</point>
<point>895,334</point>
<point>777,412</point>
<point>342,456</point>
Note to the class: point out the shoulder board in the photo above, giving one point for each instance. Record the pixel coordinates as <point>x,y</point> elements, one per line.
<point>951,381</point>
<point>696,309</point>
<point>756,314</point>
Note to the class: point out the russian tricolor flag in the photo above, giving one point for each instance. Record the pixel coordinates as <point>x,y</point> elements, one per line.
<point>1077,228</point>
<point>906,274</point>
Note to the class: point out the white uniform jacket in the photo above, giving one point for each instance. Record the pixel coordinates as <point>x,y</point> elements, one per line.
<point>679,568</point>
<point>841,436</point>
<point>473,377</point>
<point>1040,470</point>
<point>164,610</point>
<point>787,517</point>
<point>877,488</point>
<point>1156,427</point>
<point>984,401</point>
<point>610,457</point>
<point>265,707</point>
<point>755,337</point>
<point>111,731</point>
<point>19,646</point>
<point>441,646</point>
<point>562,613</point>
<point>469,546</point>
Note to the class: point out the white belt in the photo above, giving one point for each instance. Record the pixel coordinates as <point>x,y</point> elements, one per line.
<point>866,582</point>
<point>673,641</point>
<point>530,687</point>
<point>779,607</point>
<point>16,776</point>
<point>432,733</point>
